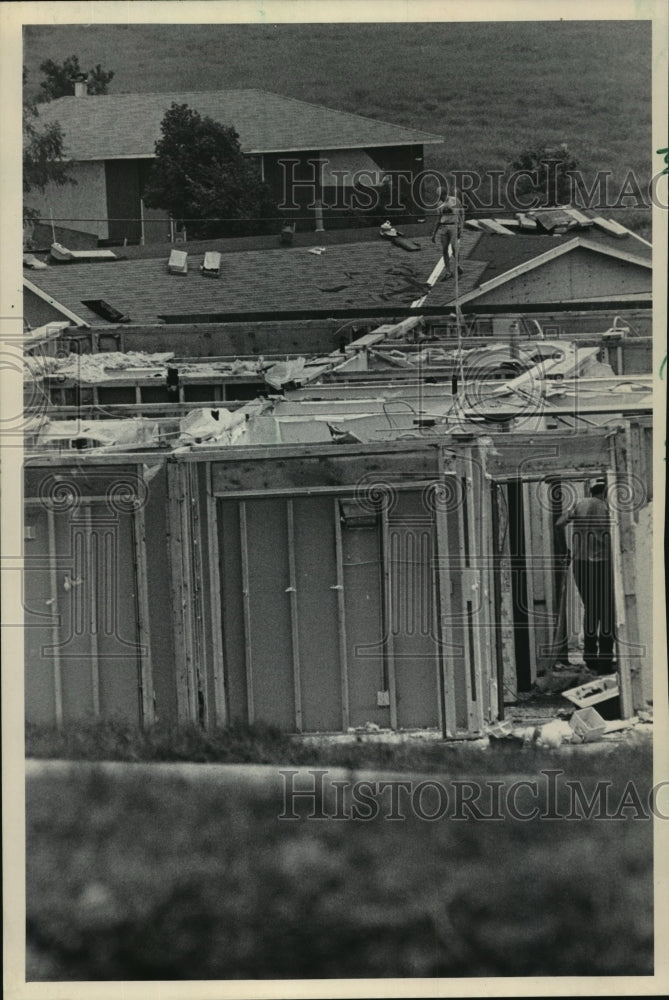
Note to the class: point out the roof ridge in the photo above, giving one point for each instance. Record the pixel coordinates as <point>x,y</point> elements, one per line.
<point>350,114</point>
<point>250,90</point>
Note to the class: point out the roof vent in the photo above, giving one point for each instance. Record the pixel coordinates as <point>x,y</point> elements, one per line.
<point>105,310</point>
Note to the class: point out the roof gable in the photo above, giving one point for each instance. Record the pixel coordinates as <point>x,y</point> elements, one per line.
<point>127,126</point>
<point>507,258</point>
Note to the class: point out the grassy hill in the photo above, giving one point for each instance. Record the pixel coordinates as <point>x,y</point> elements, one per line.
<point>490,89</point>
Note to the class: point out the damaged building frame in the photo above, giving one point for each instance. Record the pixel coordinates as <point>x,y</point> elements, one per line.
<point>411,584</point>
<point>336,505</point>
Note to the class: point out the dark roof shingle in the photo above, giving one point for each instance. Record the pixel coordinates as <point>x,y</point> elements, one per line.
<point>373,273</point>
<point>128,125</point>
<point>345,276</point>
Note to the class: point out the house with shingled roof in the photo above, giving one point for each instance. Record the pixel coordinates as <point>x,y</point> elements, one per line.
<point>306,154</point>
<point>343,274</point>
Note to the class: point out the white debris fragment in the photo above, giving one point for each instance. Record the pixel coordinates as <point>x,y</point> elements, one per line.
<point>554,733</point>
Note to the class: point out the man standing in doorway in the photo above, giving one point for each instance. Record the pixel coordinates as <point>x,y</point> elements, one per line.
<point>591,545</point>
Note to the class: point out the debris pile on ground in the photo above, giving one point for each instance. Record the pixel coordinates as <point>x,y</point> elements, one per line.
<point>585,725</point>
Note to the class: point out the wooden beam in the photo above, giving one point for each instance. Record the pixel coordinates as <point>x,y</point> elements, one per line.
<point>622,637</point>
<point>92,557</point>
<point>341,618</point>
<point>194,571</point>
<point>466,582</point>
<point>489,623</point>
<point>497,592</point>
<point>526,456</point>
<point>220,701</point>
<point>641,300</point>
<point>143,618</point>
<point>246,598</point>
<point>529,577</point>
<point>294,623</point>
<point>547,550</point>
<point>179,593</point>
<point>475,584</point>
<point>55,627</point>
<point>436,629</point>
<point>389,641</point>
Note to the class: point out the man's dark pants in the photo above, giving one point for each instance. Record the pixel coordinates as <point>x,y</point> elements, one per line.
<point>594,580</point>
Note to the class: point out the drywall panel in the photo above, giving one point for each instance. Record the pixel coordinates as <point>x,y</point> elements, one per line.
<point>413,626</point>
<point>74,644</point>
<point>112,616</point>
<point>316,580</point>
<point>365,647</point>
<point>40,618</point>
<point>269,625</point>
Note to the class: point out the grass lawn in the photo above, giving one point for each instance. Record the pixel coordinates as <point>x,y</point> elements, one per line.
<point>489,89</point>
<point>148,873</point>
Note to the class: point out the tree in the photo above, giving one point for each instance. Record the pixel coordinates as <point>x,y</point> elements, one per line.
<point>550,165</point>
<point>58,82</point>
<point>42,154</point>
<point>202,178</point>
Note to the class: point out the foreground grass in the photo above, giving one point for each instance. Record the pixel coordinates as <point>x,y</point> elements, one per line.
<point>240,743</point>
<point>142,875</point>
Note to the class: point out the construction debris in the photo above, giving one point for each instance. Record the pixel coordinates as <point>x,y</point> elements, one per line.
<point>554,733</point>
<point>284,372</point>
<point>588,724</point>
<point>214,426</point>
<point>94,368</point>
<point>29,260</point>
<point>211,265</point>
<point>99,434</point>
<point>594,692</point>
<point>178,262</point>
<point>62,255</point>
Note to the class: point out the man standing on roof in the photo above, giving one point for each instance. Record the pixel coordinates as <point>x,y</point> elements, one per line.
<point>591,543</point>
<point>449,225</point>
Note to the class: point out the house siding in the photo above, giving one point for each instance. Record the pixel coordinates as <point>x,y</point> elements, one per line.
<point>37,312</point>
<point>105,202</point>
<point>82,206</point>
<point>576,275</point>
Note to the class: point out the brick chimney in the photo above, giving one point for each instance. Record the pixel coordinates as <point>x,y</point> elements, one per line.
<point>80,82</point>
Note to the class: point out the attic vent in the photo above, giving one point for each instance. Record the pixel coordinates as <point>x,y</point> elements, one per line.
<point>103,309</point>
